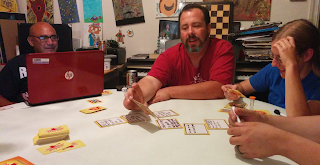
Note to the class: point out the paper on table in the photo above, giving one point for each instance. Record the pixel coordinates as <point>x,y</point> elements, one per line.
<point>146,109</point>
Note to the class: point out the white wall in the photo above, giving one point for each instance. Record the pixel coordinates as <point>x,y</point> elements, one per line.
<point>145,34</point>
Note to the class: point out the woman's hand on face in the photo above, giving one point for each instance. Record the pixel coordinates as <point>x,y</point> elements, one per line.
<point>287,51</point>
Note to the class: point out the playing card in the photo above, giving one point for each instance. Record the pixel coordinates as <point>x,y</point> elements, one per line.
<point>236,92</point>
<point>135,117</point>
<point>165,113</point>
<point>54,147</point>
<point>195,129</point>
<point>110,122</point>
<point>263,112</point>
<point>146,109</point>
<point>94,101</point>
<point>16,161</point>
<point>168,123</point>
<point>226,110</point>
<point>74,145</point>
<point>216,124</point>
<point>106,92</point>
<point>238,105</point>
<point>53,131</point>
<point>93,110</point>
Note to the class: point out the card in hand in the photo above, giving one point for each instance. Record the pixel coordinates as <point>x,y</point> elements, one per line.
<point>216,124</point>
<point>110,122</point>
<point>195,129</point>
<point>146,109</point>
<point>135,117</point>
<point>236,92</point>
<point>168,123</point>
<point>165,113</point>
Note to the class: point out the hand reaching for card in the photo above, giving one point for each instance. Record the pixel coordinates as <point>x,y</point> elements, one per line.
<point>230,95</point>
<point>134,92</point>
<point>245,116</point>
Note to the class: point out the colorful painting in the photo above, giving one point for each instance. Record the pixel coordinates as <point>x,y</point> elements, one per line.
<point>128,11</point>
<point>92,10</point>
<point>9,6</point>
<point>92,34</point>
<point>168,8</point>
<point>68,11</point>
<point>40,11</point>
<point>249,10</point>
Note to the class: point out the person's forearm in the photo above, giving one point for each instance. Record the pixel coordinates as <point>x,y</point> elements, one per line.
<point>295,99</point>
<point>204,90</point>
<point>299,149</point>
<point>305,126</point>
<point>4,101</point>
<point>149,87</point>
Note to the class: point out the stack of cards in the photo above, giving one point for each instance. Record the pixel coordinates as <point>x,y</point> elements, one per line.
<point>93,109</point>
<point>52,134</point>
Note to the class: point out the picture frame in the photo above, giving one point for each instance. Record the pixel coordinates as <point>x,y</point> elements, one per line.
<point>169,29</point>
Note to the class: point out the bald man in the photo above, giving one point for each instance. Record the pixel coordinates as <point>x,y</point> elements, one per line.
<point>13,77</point>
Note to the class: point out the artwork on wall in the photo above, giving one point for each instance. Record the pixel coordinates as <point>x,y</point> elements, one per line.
<point>40,11</point>
<point>249,10</point>
<point>92,34</point>
<point>92,10</point>
<point>9,6</point>
<point>128,12</point>
<point>68,11</point>
<point>169,29</point>
<point>167,8</point>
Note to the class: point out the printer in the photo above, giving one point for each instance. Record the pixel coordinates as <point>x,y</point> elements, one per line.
<point>117,55</point>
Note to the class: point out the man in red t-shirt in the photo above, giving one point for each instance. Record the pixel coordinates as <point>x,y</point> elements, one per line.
<point>193,69</point>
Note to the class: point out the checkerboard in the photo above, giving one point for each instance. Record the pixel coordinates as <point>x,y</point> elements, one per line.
<point>221,18</point>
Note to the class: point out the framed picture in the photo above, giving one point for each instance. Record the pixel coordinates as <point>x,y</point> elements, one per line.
<point>169,30</point>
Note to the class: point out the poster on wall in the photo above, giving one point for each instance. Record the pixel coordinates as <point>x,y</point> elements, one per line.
<point>92,10</point>
<point>92,34</point>
<point>128,11</point>
<point>168,8</point>
<point>40,11</point>
<point>68,11</point>
<point>9,6</point>
<point>249,10</point>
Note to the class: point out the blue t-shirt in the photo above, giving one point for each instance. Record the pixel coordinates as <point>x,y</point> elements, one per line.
<point>268,78</point>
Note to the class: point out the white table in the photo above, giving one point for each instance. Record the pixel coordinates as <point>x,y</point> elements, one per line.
<point>140,143</point>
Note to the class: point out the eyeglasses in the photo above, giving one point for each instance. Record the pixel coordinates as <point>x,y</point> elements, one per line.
<point>46,38</point>
<point>277,58</point>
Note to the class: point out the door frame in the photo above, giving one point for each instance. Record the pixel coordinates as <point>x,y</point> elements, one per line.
<point>314,12</point>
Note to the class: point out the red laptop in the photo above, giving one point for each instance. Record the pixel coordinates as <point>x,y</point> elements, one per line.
<point>61,76</point>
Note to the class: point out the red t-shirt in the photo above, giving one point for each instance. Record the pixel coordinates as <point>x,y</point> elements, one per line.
<point>173,67</point>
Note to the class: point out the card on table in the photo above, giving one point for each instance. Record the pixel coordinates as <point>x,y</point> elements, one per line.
<point>106,92</point>
<point>135,117</point>
<point>94,101</point>
<point>93,109</point>
<point>54,147</point>
<point>195,129</point>
<point>16,161</point>
<point>236,92</point>
<point>146,109</point>
<point>168,124</point>
<point>110,122</point>
<point>216,124</point>
<point>74,145</point>
<point>165,113</point>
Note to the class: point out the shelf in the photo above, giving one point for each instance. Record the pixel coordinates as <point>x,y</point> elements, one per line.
<point>139,66</point>
<point>248,69</point>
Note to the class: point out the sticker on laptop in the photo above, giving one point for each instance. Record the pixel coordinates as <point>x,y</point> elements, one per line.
<point>40,61</point>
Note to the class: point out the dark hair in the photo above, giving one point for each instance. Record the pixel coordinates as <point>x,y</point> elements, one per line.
<point>306,36</point>
<point>193,6</point>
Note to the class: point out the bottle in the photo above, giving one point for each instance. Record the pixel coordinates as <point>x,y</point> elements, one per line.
<point>103,46</point>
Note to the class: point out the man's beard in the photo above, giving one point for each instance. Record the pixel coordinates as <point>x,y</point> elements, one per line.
<point>198,48</point>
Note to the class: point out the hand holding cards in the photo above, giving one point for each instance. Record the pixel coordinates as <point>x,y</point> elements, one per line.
<point>145,109</point>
